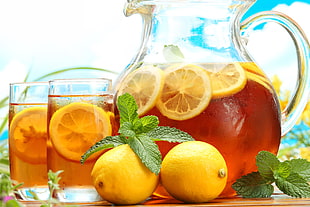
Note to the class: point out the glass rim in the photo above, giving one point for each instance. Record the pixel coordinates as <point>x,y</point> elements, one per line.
<point>80,80</point>
<point>29,83</point>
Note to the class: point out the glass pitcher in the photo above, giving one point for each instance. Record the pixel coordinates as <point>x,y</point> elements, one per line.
<point>193,71</point>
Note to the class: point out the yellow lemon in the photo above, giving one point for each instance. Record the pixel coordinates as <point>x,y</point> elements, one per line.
<point>194,172</point>
<point>145,85</point>
<point>226,79</point>
<point>120,177</point>
<point>74,128</point>
<point>28,134</point>
<point>186,92</point>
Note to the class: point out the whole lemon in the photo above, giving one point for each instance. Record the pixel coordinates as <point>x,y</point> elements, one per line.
<point>120,177</point>
<point>194,172</point>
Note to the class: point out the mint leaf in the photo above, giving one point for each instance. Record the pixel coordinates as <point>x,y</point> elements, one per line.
<point>283,170</point>
<point>290,176</point>
<point>149,123</point>
<point>253,185</point>
<point>163,133</point>
<point>172,53</point>
<point>147,151</point>
<point>145,124</point>
<point>127,108</point>
<point>294,185</point>
<point>105,143</point>
<point>126,129</point>
<point>140,134</point>
<point>267,163</point>
<point>300,166</point>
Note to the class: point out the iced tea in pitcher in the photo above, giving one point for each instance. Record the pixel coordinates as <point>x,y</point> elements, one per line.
<point>229,105</point>
<point>194,72</point>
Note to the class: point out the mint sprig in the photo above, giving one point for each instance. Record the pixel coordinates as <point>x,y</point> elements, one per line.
<point>140,134</point>
<point>291,177</point>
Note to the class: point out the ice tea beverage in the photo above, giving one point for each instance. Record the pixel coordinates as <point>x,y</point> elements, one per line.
<point>27,137</point>
<point>80,113</point>
<point>229,105</point>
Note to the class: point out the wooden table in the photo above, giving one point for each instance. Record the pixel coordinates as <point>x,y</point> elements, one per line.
<point>276,200</point>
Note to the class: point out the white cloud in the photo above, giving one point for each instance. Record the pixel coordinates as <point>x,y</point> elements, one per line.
<point>273,48</point>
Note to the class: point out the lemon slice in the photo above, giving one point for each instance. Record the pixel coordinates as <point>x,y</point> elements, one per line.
<point>28,135</point>
<point>186,92</point>
<point>74,128</point>
<point>145,85</point>
<point>226,79</point>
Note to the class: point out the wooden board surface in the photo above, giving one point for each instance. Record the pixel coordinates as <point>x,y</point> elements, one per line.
<point>276,200</point>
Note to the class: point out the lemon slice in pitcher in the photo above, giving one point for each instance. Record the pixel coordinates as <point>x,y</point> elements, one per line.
<point>28,135</point>
<point>186,92</point>
<point>74,128</point>
<point>145,85</point>
<point>226,79</point>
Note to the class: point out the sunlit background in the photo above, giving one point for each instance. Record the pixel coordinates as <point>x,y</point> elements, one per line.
<point>37,37</point>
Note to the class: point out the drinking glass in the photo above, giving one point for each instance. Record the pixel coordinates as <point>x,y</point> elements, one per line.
<point>27,138</point>
<point>80,113</point>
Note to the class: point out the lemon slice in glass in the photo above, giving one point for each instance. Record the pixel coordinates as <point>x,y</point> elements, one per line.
<point>74,128</point>
<point>28,135</point>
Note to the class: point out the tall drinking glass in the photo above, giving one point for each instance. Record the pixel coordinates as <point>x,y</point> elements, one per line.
<point>80,113</point>
<point>27,137</point>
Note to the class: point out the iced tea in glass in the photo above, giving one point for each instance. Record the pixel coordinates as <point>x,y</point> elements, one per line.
<point>27,137</point>
<point>80,113</point>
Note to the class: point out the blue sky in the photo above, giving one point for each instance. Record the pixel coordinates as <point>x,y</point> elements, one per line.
<point>43,36</point>
<point>262,5</point>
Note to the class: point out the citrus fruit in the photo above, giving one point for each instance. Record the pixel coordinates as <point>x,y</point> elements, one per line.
<point>145,85</point>
<point>226,79</point>
<point>186,92</point>
<point>28,135</point>
<point>194,172</point>
<point>74,128</point>
<point>120,177</point>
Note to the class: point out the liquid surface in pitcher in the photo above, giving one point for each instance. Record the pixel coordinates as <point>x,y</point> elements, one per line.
<point>240,116</point>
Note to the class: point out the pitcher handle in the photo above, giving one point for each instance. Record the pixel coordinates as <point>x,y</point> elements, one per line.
<point>300,95</point>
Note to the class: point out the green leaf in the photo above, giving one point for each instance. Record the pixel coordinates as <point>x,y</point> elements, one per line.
<point>126,129</point>
<point>106,143</point>
<point>301,166</point>
<point>283,170</point>
<point>267,163</point>
<point>147,151</point>
<point>127,108</point>
<point>13,203</point>
<point>163,133</point>
<point>294,185</point>
<point>173,53</point>
<point>253,185</point>
<point>149,123</point>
